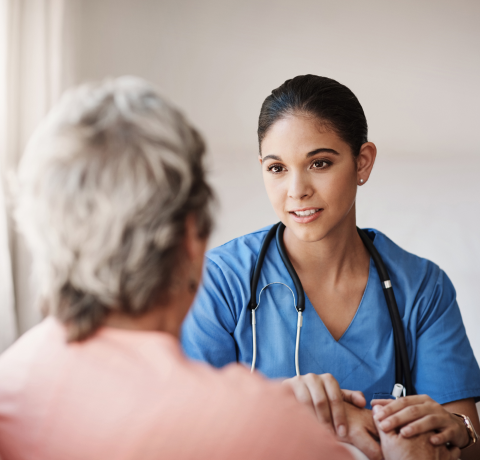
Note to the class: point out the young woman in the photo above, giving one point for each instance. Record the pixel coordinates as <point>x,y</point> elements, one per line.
<point>314,153</point>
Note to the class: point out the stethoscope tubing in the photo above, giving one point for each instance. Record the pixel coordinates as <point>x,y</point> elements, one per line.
<point>401,353</point>
<point>293,274</point>
<point>254,327</point>
<point>402,367</point>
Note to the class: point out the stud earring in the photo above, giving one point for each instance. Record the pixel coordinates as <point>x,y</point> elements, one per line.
<point>361,181</point>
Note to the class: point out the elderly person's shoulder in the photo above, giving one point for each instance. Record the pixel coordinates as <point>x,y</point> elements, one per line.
<point>137,387</point>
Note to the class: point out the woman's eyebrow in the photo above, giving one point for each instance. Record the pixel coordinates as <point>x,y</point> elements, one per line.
<point>272,157</point>
<point>321,150</point>
<point>309,154</point>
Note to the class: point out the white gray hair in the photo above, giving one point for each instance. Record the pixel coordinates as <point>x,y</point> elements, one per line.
<point>105,186</point>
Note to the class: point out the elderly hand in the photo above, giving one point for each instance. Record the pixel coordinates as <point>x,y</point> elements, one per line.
<point>323,394</point>
<point>415,415</point>
<point>418,447</point>
<point>363,432</point>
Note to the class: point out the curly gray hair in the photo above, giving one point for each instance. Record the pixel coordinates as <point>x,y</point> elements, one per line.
<point>105,186</point>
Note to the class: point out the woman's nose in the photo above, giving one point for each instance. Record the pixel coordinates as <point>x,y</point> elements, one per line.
<point>299,187</point>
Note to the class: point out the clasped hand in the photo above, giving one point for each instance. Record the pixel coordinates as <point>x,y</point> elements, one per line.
<point>342,411</point>
<point>414,415</point>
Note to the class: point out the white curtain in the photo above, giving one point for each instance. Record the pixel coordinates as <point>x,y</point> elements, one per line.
<point>37,52</point>
<point>8,323</point>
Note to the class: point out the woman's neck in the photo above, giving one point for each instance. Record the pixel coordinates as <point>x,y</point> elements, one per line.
<point>341,252</point>
<point>167,317</point>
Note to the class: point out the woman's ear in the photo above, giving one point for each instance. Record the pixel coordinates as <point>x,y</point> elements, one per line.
<point>195,246</point>
<point>365,161</point>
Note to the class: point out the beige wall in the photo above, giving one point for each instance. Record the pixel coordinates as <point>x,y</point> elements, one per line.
<point>413,64</point>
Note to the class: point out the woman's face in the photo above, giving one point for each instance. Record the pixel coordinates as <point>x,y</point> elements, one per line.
<point>310,176</point>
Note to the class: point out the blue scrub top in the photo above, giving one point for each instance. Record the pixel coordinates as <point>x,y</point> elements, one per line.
<point>218,327</point>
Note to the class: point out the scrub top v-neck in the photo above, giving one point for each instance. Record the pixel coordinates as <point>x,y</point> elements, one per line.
<point>218,327</point>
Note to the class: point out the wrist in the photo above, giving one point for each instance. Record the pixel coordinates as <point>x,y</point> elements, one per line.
<point>468,435</point>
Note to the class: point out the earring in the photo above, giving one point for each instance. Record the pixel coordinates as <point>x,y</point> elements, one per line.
<point>192,286</point>
<point>361,181</point>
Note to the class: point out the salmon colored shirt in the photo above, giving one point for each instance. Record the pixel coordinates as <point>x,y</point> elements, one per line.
<point>133,395</point>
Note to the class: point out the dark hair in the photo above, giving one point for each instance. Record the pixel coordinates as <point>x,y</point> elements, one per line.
<point>332,103</point>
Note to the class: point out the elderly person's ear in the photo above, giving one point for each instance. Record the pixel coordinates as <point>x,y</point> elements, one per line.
<point>195,245</point>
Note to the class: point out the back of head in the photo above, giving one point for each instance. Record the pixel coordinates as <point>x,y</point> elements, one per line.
<point>105,186</point>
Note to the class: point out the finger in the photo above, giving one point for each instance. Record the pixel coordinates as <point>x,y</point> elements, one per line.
<point>371,427</point>
<point>381,434</point>
<point>319,398</point>
<point>337,404</point>
<point>405,416</point>
<point>399,404</point>
<point>301,392</point>
<point>354,397</point>
<point>381,402</point>
<point>367,445</point>
<point>425,424</point>
<point>444,436</point>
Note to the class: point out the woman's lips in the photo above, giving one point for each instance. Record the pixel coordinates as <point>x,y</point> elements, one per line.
<point>306,219</point>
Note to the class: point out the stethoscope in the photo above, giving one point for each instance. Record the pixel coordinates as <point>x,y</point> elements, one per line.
<point>403,377</point>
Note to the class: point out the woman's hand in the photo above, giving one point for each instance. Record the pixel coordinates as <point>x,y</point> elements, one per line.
<point>323,394</point>
<point>363,433</point>
<point>397,447</point>
<point>419,414</point>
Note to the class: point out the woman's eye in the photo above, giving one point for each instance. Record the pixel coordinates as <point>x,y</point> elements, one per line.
<point>320,164</point>
<point>275,169</point>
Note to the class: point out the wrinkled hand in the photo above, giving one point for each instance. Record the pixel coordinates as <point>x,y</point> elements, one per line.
<point>415,415</point>
<point>419,447</point>
<point>323,394</point>
<point>363,432</point>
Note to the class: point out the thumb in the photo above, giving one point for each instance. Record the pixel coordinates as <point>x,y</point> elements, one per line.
<point>354,397</point>
<point>383,436</point>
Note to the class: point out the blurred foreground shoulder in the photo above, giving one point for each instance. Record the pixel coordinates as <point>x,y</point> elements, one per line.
<point>275,425</point>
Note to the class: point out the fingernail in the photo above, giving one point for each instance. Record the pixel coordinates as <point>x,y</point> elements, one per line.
<point>406,431</point>
<point>385,425</point>
<point>341,431</point>
<point>376,410</point>
<point>435,440</point>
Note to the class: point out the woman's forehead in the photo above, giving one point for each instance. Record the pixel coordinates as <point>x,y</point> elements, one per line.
<point>300,135</point>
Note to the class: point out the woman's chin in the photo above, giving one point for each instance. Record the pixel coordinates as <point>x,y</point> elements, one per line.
<point>308,233</point>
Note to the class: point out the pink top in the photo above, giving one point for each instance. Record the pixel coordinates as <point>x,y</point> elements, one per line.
<point>133,395</point>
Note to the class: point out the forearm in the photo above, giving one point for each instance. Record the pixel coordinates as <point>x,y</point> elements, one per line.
<point>467,407</point>
<point>471,453</point>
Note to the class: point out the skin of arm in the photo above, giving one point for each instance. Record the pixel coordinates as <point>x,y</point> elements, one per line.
<point>414,415</point>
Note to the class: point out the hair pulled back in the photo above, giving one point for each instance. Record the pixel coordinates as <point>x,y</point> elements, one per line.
<point>333,104</point>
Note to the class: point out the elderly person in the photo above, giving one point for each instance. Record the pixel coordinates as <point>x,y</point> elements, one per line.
<point>115,207</point>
